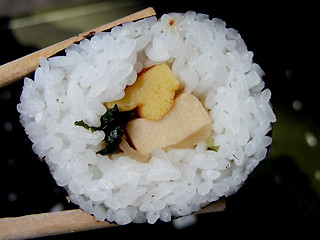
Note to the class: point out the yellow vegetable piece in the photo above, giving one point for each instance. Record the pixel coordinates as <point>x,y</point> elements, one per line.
<point>153,93</point>
<point>182,127</point>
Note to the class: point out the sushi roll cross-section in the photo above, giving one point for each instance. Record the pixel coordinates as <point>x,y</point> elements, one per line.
<point>152,120</point>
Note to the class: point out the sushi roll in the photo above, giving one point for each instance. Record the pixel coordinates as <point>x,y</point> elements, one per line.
<point>154,119</point>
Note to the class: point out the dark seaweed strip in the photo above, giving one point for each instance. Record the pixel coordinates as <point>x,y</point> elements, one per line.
<point>112,124</point>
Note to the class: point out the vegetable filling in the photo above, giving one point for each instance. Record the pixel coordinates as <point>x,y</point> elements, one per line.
<point>112,123</point>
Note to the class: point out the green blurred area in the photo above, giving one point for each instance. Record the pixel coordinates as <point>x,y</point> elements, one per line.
<point>295,136</point>
<point>49,26</point>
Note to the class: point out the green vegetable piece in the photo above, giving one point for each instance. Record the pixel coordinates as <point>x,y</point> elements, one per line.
<point>210,144</point>
<point>86,126</point>
<point>112,124</point>
<point>82,124</point>
<point>112,140</point>
<point>111,115</point>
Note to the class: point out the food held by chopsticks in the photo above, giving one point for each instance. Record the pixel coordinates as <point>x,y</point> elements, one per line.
<point>212,113</point>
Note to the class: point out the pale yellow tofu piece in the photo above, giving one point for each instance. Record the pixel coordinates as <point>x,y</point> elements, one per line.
<point>182,127</point>
<point>153,93</point>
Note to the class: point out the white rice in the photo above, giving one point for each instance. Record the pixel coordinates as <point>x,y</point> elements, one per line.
<point>208,59</point>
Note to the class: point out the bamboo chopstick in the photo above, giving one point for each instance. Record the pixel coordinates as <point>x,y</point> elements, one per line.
<point>46,224</point>
<point>15,70</point>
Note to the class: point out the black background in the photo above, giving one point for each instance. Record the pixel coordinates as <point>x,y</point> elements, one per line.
<point>276,199</point>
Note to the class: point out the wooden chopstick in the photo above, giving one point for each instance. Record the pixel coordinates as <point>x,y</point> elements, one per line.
<point>46,224</point>
<point>15,70</point>
<point>53,223</point>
